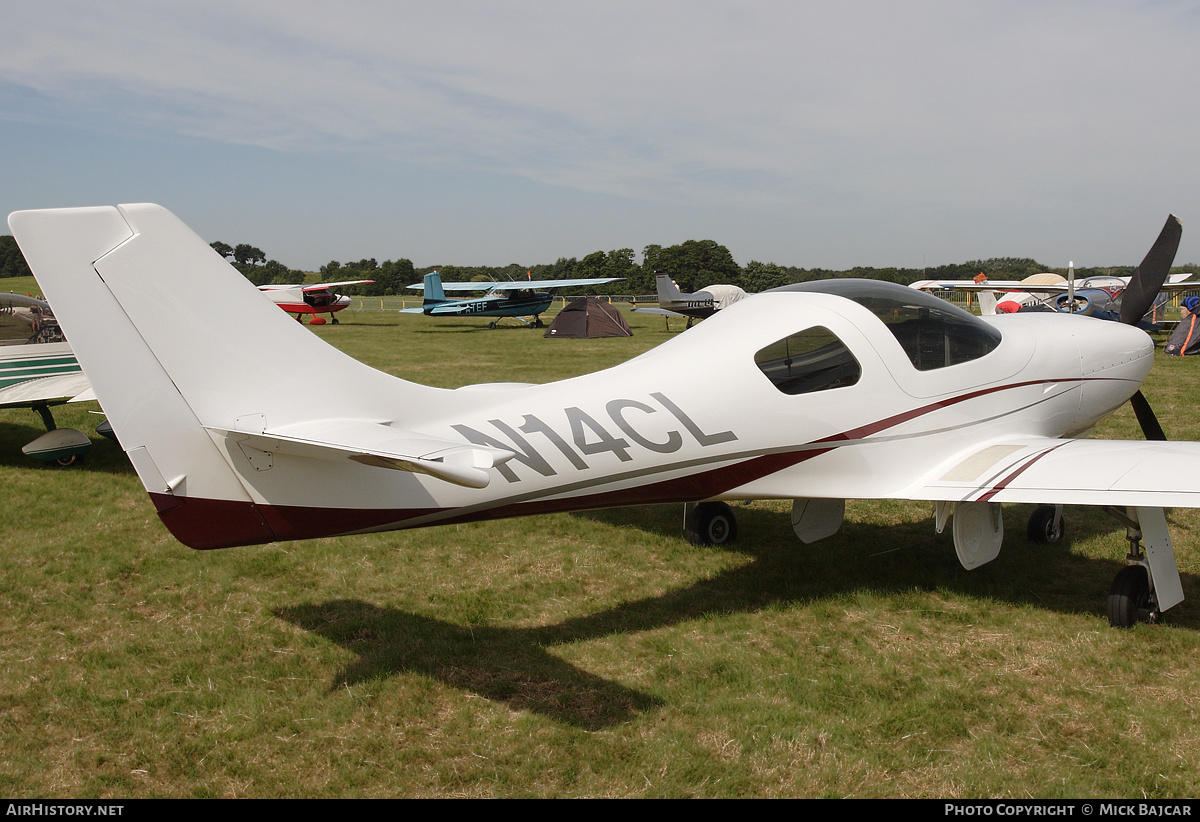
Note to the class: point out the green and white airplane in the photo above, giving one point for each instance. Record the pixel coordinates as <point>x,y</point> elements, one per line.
<point>38,370</point>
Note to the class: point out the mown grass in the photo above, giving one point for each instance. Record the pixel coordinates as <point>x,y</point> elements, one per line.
<point>593,654</point>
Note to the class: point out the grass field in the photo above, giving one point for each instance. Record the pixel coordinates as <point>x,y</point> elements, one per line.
<point>594,654</point>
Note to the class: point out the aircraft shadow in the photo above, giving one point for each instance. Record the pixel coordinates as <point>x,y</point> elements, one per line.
<point>515,665</point>
<point>894,558</point>
<point>510,665</point>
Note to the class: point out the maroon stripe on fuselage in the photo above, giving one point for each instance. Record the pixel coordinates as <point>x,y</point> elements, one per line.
<point>208,523</point>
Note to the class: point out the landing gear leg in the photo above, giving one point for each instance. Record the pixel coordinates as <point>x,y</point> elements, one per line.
<point>709,523</point>
<point>1150,583</point>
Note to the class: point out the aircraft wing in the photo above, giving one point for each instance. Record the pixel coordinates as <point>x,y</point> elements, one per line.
<point>311,286</point>
<point>968,285</point>
<point>58,388</point>
<point>521,285</point>
<point>372,443</point>
<point>1042,470</point>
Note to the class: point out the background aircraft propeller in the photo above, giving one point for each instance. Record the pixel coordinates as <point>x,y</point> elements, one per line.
<point>1139,295</point>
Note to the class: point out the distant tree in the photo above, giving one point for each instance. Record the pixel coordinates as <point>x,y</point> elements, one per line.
<point>248,255</point>
<point>693,264</point>
<point>12,261</point>
<point>224,249</point>
<point>763,276</point>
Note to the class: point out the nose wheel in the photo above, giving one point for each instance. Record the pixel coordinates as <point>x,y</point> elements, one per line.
<point>1129,600</point>
<point>1149,583</point>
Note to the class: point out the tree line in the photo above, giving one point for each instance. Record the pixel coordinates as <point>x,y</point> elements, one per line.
<point>693,265</point>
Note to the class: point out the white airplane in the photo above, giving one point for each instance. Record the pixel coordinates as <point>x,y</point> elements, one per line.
<point>695,306</point>
<point>831,390</point>
<point>314,299</point>
<point>38,370</point>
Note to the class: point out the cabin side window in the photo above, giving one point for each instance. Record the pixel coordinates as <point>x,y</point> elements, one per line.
<point>812,360</point>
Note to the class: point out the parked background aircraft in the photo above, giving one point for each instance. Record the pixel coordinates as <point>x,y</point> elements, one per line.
<point>830,390</point>
<point>518,299</point>
<point>1097,296</point>
<point>695,306</point>
<point>314,299</point>
<point>38,370</point>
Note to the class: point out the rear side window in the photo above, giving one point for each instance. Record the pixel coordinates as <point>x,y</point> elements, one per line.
<point>812,360</point>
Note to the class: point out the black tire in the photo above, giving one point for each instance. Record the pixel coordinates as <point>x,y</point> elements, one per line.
<point>714,524</point>
<point>68,461</point>
<point>1129,597</point>
<point>1044,527</point>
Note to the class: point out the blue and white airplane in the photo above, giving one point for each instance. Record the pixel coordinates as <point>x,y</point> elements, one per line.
<point>503,299</point>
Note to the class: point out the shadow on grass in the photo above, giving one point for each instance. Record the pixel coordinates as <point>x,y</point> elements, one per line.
<point>515,665</point>
<point>510,665</point>
<point>897,558</point>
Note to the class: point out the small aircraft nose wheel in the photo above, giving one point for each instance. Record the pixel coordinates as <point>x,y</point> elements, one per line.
<point>1129,600</point>
<point>713,523</point>
<point>537,323</point>
<point>1046,526</point>
<point>492,324</point>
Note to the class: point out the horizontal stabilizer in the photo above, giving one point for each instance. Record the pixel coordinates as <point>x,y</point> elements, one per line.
<point>45,389</point>
<point>666,312</point>
<point>372,443</point>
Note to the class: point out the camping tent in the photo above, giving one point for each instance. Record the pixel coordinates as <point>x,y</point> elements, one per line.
<point>588,317</point>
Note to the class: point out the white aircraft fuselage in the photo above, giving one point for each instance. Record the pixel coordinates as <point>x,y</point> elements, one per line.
<point>825,391</point>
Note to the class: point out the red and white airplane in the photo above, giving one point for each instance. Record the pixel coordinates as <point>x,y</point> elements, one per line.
<point>313,300</point>
<point>828,391</point>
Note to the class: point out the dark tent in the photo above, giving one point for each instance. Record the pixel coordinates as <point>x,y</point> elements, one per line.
<point>1185,339</point>
<point>588,317</point>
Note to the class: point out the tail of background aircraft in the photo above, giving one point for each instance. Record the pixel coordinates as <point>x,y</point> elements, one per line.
<point>667,291</point>
<point>204,408</point>
<point>434,294</point>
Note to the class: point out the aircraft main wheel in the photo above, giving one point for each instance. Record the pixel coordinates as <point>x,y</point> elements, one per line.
<point>1129,597</point>
<point>1044,527</point>
<point>67,461</point>
<point>714,524</point>
<point>492,324</point>
<point>334,320</point>
<point>538,324</point>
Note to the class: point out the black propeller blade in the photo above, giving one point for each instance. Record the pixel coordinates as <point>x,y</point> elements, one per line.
<point>1148,278</point>
<point>1145,417</point>
<point>1139,295</point>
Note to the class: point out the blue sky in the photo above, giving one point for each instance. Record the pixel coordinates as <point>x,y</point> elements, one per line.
<point>488,133</point>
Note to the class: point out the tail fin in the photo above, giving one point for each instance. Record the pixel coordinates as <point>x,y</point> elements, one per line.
<point>205,410</point>
<point>667,291</point>
<point>434,294</point>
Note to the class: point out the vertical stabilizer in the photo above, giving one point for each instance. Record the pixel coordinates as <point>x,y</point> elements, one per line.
<point>135,291</point>
<point>667,292</point>
<point>434,294</point>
